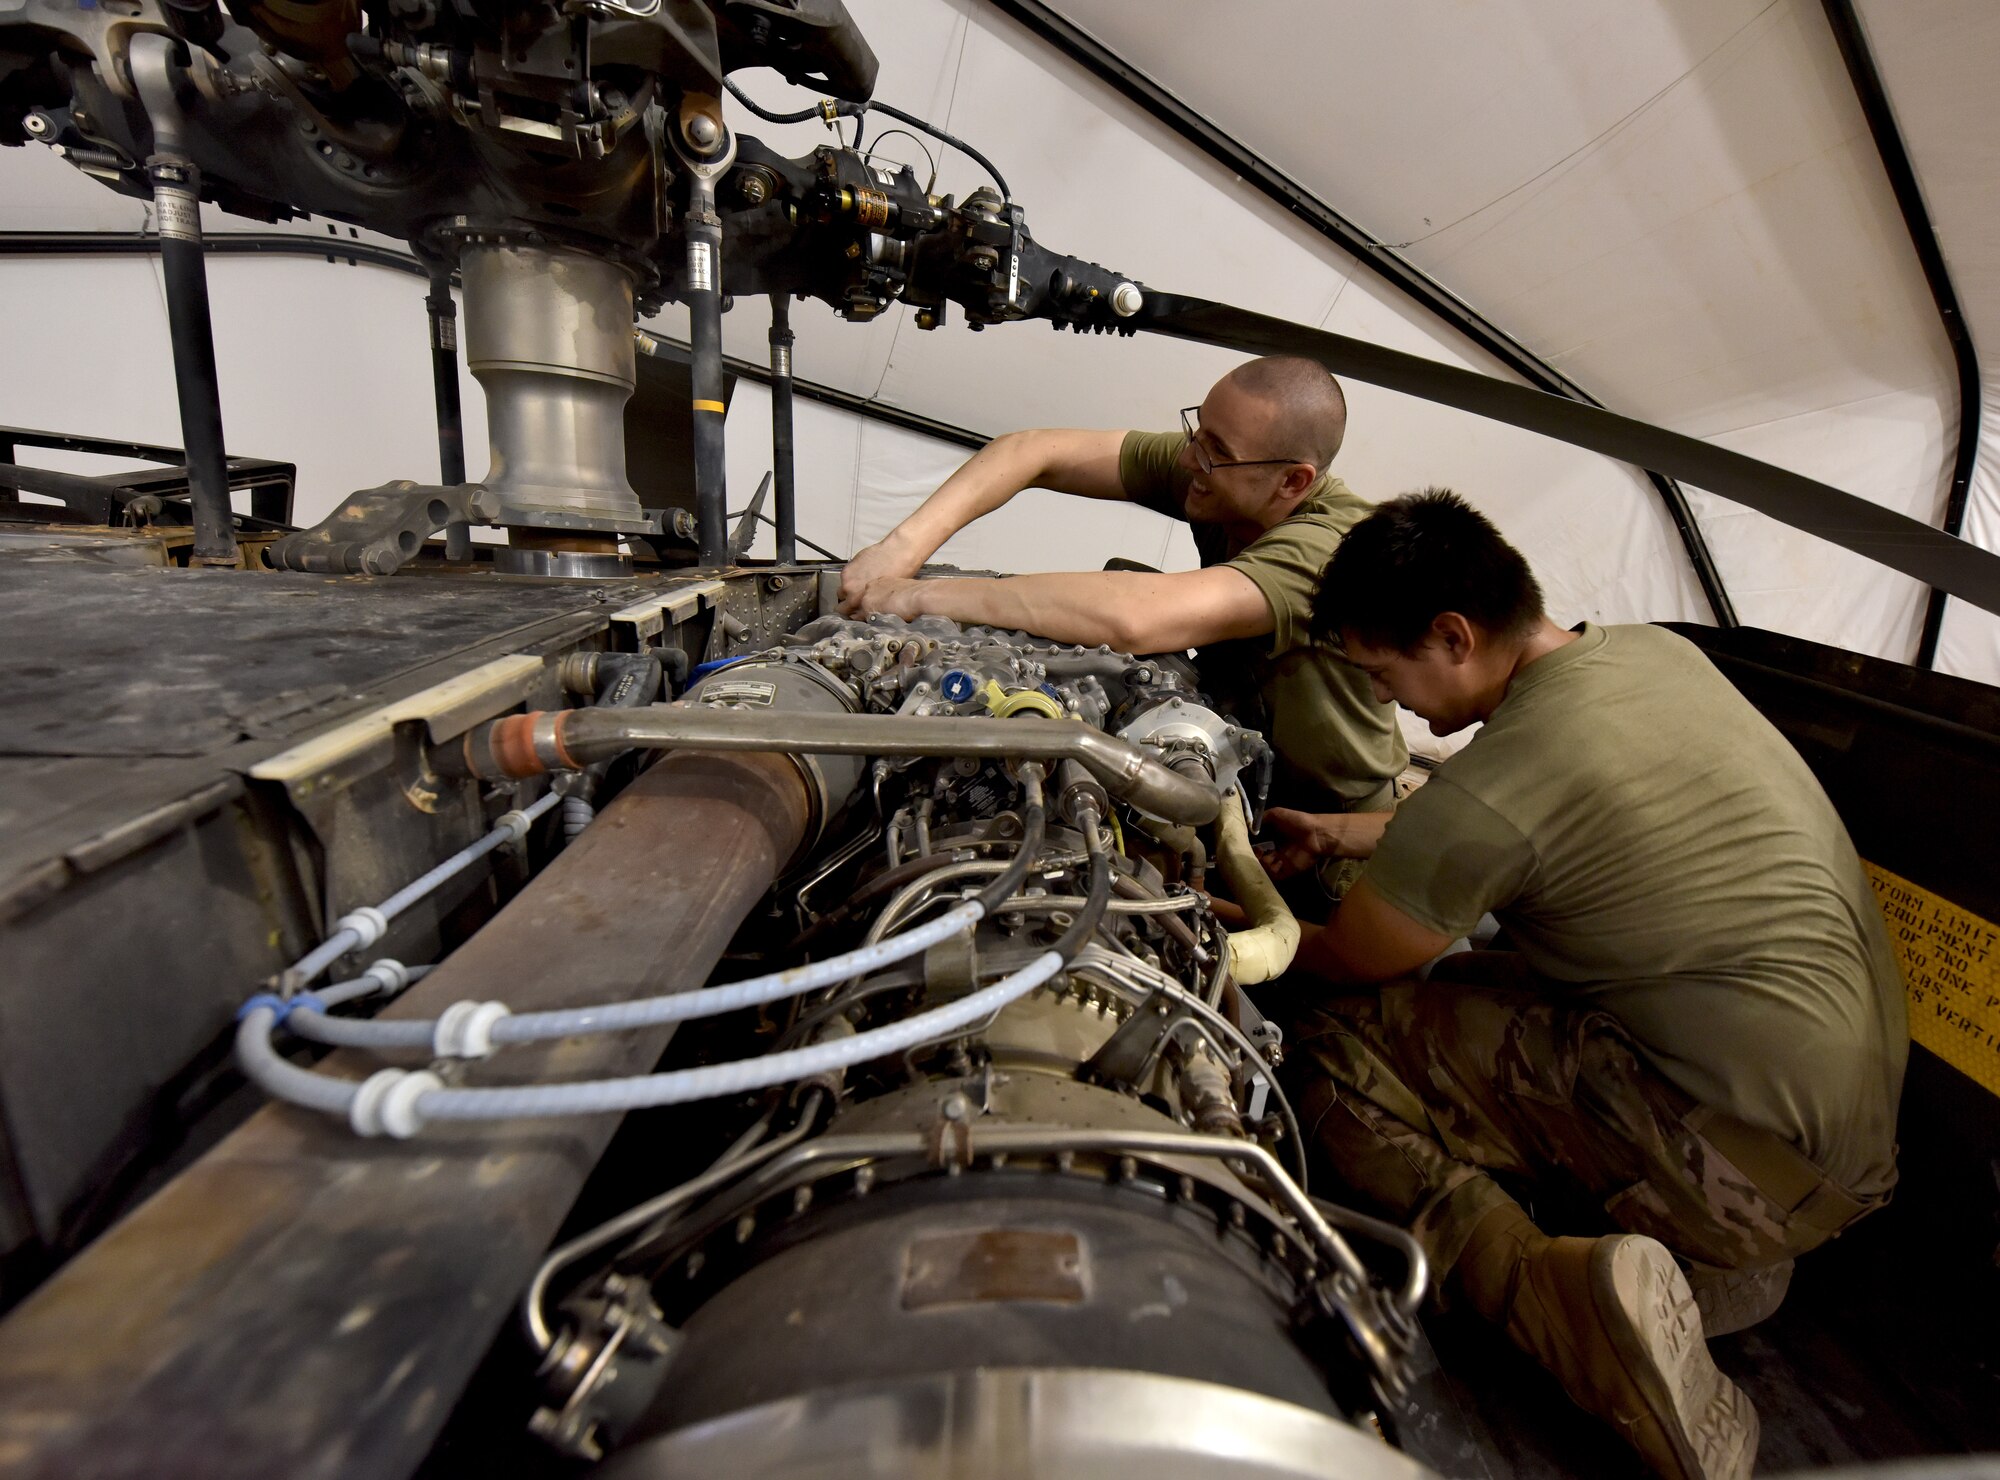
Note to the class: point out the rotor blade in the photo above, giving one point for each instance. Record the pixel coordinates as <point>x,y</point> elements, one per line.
<point>1895,540</point>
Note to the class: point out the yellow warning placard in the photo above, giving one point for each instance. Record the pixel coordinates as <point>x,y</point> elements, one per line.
<point>1951,965</point>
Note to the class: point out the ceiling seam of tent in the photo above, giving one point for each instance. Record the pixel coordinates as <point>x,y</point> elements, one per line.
<point>1140,89</point>
<point>1881,393</point>
<point>1591,144</point>
<point>1875,107</point>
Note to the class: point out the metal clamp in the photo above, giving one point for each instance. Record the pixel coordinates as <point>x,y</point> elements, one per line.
<point>604,1368</point>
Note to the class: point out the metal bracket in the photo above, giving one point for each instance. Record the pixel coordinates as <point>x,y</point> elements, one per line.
<point>1136,1046</point>
<point>949,1142</point>
<point>374,532</point>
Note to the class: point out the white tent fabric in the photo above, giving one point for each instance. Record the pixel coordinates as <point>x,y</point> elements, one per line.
<point>1679,205</point>
<point>1676,202</point>
<point>1103,181</point>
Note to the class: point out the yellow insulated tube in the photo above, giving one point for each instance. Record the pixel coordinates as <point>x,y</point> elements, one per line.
<point>1266,949</point>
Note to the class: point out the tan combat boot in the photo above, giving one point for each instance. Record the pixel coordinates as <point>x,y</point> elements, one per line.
<point>1613,1320</point>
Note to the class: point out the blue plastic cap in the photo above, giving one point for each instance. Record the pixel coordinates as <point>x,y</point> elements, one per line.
<point>281,1007</point>
<point>958,686</point>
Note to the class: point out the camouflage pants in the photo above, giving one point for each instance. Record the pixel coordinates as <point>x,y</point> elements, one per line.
<point>1421,1092</point>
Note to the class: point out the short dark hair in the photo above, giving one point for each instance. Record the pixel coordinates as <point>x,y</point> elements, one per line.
<point>1312,408</point>
<point>1415,558</point>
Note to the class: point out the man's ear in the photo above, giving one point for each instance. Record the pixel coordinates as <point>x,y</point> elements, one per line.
<point>1298,478</point>
<point>1456,636</point>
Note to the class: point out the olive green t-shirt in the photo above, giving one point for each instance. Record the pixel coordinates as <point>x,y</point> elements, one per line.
<point>1337,746</point>
<point>1648,838</point>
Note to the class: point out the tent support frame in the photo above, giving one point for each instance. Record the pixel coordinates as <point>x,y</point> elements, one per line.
<point>1874,99</point>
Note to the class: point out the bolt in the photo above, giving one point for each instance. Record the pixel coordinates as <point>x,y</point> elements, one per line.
<point>754,189</point>
<point>703,131</point>
<point>1126,300</point>
<point>38,126</point>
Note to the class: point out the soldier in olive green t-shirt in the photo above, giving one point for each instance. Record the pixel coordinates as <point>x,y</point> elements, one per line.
<point>1656,850</point>
<point>1701,1029</point>
<point>1248,472</point>
<point>1339,747</point>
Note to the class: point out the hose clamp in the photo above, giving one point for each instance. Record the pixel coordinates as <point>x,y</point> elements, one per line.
<point>390,976</point>
<point>386,1102</point>
<point>465,1030</point>
<point>369,923</point>
<point>547,740</point>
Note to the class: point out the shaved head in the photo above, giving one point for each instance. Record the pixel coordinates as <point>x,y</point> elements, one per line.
<point>1308,411</point>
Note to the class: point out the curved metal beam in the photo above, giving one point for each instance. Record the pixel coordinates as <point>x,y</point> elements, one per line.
<point>1874,99</point>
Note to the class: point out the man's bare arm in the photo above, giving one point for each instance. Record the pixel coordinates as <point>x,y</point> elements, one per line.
<point>1132,611</point>
<point>1079,462</point>
<point>1367,940</point>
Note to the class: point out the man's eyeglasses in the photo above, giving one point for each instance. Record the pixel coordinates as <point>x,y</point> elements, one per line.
<point>1191,424</point>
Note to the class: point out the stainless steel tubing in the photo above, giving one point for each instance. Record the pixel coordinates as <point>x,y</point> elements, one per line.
<point>529,744</point>
<point>548,333</point>
<point>738,1159</point>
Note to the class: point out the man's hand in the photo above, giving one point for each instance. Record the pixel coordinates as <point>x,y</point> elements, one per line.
<point>884,561</point>
<point>897,595</point>
<point>1304,838</point>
